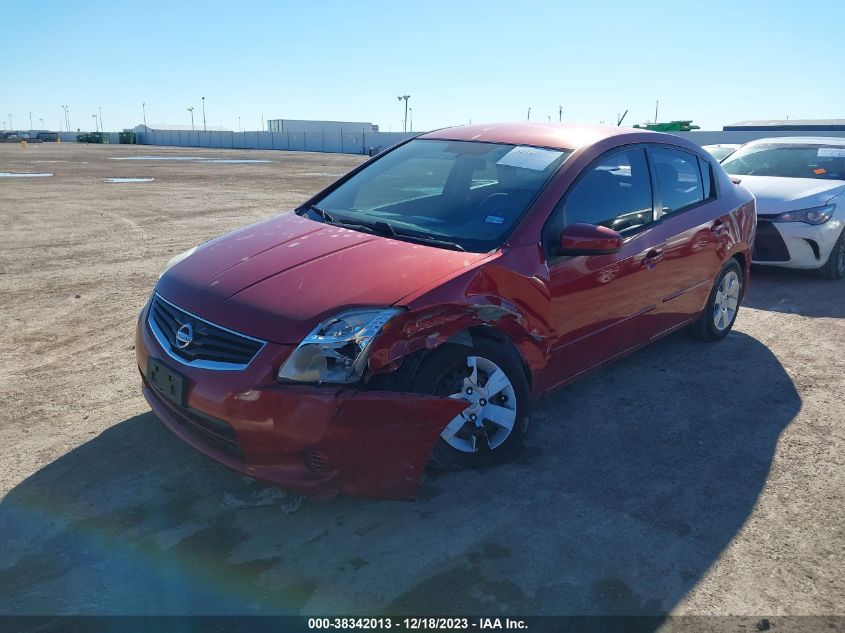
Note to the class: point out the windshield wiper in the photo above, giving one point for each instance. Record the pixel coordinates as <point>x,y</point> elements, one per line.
<point>330,219</point>
<point>436,242</point>
<point>384,228</point>
<point>425,239</point>
<point>322,213</point>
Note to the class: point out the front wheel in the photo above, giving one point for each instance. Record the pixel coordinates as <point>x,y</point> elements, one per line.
<point>490,378</point>
<point>834,267</point>
<point>718,316</point>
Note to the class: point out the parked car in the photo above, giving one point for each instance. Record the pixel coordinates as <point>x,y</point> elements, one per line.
<point>721,151</point>
<point>418,306</point>
<point>798,183</point>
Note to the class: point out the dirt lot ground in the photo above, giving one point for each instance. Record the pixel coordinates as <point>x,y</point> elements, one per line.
<point>688,478</point>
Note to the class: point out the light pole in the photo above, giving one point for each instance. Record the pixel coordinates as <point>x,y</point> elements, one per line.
<point>67,118</point>
<point>11,127</point>
<point>203,115</point>
<point>100,110</point>
<point>191,110</point>
<point>405,98</point>
<point>529,115</point>
<point>30,120</point>
<point>560,113</point>
<point>42,122</point>
<point>411,110</point>
<point>94,116</point>
<point>144,113</point>
<point>239,123</point>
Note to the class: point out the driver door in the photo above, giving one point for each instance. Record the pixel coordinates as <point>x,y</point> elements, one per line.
<point>603,305</point>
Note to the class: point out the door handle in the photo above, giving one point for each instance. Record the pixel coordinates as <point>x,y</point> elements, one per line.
<point>717,228</point>
<point>652,258</point>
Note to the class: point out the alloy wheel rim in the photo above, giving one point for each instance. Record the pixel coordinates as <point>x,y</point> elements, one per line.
<point>490,417</point>
<point>726,301</point>
<point>840,264</point>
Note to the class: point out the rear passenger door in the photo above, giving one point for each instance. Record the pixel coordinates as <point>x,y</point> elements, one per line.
<point>690,223</point>
<point>603,305</point>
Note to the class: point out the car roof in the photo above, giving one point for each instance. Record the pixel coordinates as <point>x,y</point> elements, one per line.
<point>802,140</point>
<point>565,136</point>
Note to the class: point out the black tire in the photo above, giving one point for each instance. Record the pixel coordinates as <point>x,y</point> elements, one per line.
<point>834,267</point>
<point>442,373</point>
<point>705,328</point>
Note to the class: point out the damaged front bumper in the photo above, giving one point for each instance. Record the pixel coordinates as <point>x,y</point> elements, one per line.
<point>308,439</point>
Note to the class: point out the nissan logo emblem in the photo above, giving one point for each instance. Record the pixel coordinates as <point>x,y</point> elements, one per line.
<point>184,335</point>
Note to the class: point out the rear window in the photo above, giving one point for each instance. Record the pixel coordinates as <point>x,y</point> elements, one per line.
<point>823,162</point>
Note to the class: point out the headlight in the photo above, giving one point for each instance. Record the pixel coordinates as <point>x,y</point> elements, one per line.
<point>336,351</point>
<point>816,215</point>
<point>175,260</point>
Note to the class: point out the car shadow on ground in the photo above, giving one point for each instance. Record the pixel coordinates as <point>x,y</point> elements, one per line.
<point>630,486</point>
<point>795,292</point>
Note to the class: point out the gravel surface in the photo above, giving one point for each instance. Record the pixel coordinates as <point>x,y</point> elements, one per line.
<point>688,478</point>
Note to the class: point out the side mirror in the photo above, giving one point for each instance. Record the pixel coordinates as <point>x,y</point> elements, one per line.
<point>589,239</point>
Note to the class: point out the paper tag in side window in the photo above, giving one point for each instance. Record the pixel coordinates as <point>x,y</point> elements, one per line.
<point>534,158</point>
<point>831,152</point>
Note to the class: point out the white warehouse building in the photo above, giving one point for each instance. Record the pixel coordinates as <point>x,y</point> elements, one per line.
<point>301,125</point>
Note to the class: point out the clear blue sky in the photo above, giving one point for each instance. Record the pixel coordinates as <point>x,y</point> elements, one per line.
<point>714,62</point>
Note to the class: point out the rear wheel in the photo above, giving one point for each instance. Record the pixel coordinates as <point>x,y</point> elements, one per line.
<point>490,378</point>
<point>719,314</point>
<point>834,268</point>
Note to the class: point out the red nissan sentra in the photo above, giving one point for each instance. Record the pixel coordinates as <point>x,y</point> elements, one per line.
<point>417,307</point>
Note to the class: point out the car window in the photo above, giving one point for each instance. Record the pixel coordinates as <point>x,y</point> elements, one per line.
<point>470,194</point>
<point>707,178</point>
<point>616,193</point>
<point>788,160</point>
<point>487,175</point>
<point>411,179</point>
<point>720,153</point>
<point>678,179</point>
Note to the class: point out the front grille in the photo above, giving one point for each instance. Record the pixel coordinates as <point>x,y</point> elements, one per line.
<point>768,244</point>
<point>208,346</point>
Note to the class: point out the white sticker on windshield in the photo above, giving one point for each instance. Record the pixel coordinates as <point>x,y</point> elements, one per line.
<point>534,158</point>
<point>831,152</point>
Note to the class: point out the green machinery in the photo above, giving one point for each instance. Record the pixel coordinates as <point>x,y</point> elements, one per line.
<point>671,126</point>
<point>93,137</point>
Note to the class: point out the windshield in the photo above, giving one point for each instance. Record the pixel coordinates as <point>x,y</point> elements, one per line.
<point>720,153</point>
<point>825,162</point>
<point>470,194</point>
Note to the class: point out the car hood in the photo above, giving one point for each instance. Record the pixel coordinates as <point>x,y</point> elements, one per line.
<point>778,195</point>
<point>278,279</point>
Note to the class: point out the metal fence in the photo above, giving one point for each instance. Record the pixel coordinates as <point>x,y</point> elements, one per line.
<point>361,141</point>
<point>342,142</point>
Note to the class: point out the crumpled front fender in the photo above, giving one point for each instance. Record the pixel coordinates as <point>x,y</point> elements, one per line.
<point>380,441</point>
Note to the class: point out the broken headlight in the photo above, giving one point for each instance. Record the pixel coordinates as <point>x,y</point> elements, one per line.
<point>337,350</point>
